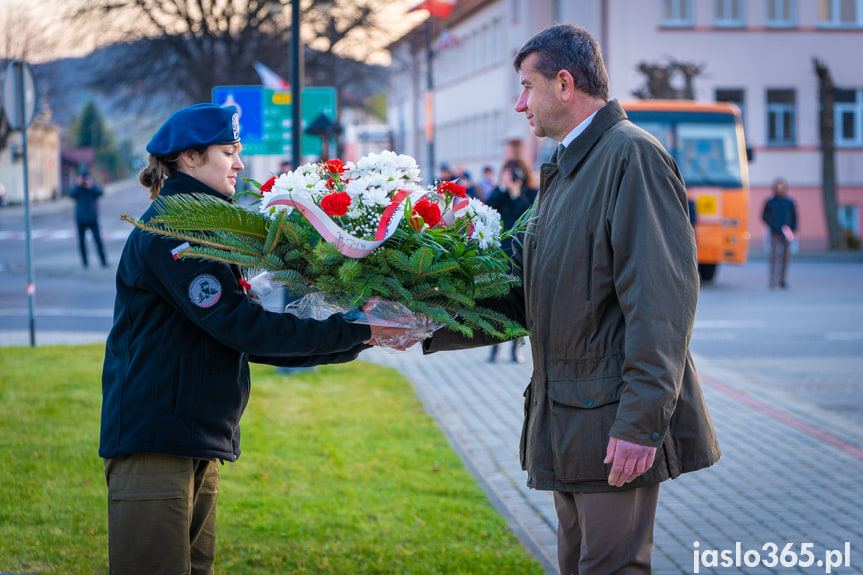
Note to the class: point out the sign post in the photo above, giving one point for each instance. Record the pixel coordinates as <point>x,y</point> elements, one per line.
<point>19,106</point>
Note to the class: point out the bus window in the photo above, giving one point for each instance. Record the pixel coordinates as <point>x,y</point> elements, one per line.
<point>708,155</point>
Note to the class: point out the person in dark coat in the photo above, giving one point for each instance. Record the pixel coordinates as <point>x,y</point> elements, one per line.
<point>86,195</point>
<point>511,199</point>
<point>609,290</point>
<point>780,215</point>
<point>175,380</point>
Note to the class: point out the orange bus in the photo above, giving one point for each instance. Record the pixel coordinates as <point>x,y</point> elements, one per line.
<point>706,140</point>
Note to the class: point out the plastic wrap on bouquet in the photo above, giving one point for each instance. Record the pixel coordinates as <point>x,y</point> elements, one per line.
<point>320,306</point>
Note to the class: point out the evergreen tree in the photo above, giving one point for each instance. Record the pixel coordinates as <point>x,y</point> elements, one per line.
<point>89,130</point>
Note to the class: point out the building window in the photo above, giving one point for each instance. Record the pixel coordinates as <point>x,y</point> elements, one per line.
<point>781,13</point>
<point>734,96</point>
<point>840,13</point>
<point>677,13</point>
<point>729,13</point>
<point>849,219</point>
<point>780,118</point>
<point>848,117</point>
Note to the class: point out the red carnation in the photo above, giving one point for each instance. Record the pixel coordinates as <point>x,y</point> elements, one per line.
<point>428,211</point>
<point>336,204</point>
<point>268,185</point>
<point>452,188</point>
<point>335,166</point>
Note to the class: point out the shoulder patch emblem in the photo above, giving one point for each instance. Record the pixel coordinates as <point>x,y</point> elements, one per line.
<point>205,290</point>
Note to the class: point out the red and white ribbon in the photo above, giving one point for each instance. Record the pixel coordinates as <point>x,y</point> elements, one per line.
<point>348,245</point>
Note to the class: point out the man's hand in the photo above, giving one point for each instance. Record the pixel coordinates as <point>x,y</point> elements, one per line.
<point>629,460</point>
<point>393,333</point>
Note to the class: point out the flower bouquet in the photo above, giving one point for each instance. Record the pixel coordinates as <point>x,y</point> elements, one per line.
<point>343,233</point>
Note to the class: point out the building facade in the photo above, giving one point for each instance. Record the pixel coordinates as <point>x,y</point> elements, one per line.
<point>758,54</point>
<point>43,163</point>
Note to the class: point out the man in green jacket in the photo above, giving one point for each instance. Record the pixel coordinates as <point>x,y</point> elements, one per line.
<point>609,291</point>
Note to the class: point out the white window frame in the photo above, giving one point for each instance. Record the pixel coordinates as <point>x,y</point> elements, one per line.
<point>779,110</point>
<point>835,7</point>
<point>724,13</point>
<point>741,104</point>
<point>855,108</point>
<point>677,20</point>
<point>849,218</point>
<point>788,20</point>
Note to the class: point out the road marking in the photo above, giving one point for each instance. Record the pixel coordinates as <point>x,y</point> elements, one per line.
<point>57,312</point>
<point>784,417</point>
<point>844,336</point>
<point>715,336</point>
<point>61,234</point>
<point>728,324</point>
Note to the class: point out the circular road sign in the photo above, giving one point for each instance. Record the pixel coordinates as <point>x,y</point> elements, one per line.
<point>19,87</point>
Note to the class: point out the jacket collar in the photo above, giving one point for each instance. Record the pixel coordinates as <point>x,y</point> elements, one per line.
<point>182,183</point>
<point>575,152</point>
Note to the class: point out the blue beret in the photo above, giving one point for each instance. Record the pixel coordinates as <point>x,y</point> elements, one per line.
<point>196,127</point>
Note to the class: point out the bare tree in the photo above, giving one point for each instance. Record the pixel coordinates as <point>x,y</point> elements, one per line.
<point>827,95</point>
<point>190,46</point>
<point>659,80</point>
<point>23,36</point>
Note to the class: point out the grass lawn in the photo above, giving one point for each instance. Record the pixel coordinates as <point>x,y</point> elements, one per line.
<point>342,472</point>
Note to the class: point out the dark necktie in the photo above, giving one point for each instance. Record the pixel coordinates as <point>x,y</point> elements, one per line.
<point>555,156</point>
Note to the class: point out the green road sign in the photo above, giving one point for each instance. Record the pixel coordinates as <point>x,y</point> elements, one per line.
<point>268,116</point>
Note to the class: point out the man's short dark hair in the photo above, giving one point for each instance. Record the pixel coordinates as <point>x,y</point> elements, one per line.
<point>571,48</point>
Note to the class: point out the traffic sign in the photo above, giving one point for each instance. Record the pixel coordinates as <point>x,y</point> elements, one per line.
<point>270,132</point>
<point>19,95</point>
<point>249,100</point>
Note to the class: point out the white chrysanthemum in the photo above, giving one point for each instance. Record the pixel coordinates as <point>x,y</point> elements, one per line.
<point>408,165</point>
<point>375,197</point>
<point>375,180</point>
<point>486,223</point>
<point>355,188</point>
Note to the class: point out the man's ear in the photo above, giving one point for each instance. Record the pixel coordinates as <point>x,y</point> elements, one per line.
<point>566,85</point>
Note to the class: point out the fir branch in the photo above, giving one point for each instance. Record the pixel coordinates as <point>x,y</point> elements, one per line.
<point>203,212</point>
<point>219,255</point>
<point>191,237</point>
<point>274,232</point>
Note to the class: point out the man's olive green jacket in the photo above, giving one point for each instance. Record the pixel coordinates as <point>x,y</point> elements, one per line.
<point>610,286</point>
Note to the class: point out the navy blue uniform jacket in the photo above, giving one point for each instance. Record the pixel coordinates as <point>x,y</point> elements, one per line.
<point>176,373</point>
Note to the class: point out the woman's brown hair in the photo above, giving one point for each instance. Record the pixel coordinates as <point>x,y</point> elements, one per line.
<point>158,169</point>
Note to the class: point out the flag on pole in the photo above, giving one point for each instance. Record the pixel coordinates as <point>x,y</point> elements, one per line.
<point>437,8</point>
<point>270,79</point>
<point>446,40</point>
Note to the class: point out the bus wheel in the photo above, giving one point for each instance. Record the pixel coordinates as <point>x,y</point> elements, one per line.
<point>706,271</point>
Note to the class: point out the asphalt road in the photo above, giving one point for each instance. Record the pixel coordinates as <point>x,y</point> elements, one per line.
<point>804,343</point>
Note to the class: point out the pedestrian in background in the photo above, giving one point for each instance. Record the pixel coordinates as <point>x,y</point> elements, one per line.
<point>780,215</point>
<point>511,198</point>
<point>486,184</point>
<point>175,380</point>
<point>86,195</point>
<point>446,173</point>
<point>609,291</point>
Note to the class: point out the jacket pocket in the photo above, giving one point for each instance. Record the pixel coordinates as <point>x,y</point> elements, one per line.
<point>582,413</point>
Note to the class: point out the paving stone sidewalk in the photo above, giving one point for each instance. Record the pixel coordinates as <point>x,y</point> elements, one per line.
<point>788,475</point>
